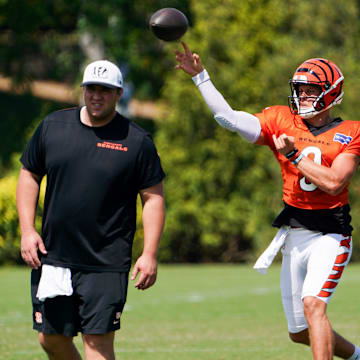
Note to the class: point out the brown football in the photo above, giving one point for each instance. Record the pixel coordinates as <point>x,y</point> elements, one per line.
<point>168,24</point>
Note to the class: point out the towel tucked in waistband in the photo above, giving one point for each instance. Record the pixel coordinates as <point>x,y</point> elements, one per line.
<point>267,257</point>
<point>54,281</point>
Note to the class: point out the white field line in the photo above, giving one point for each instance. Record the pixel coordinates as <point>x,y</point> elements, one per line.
<point>198,297</point>
<point>182,350</point>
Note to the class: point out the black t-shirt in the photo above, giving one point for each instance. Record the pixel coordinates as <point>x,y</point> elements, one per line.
<point>93,177</point>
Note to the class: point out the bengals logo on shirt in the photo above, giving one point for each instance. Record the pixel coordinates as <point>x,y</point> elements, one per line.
<point>112,146</point>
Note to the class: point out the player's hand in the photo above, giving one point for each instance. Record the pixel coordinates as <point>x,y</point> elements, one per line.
<point>188,62</point>
<point>146,265</point>
<point>30,243</point>
<point>284,144</point>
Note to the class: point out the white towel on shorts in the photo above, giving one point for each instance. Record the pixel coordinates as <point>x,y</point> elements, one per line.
<point>54,281</point>
<point>267,257</point>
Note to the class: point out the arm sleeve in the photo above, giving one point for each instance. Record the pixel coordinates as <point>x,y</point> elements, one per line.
<point>241,122</point>
<point>33,157</point>
<point>149,170</point>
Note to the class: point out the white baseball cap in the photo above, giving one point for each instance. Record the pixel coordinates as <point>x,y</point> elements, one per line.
<point>103,72</point>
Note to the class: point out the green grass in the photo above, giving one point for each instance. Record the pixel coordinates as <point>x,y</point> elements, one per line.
<point>212,312</point>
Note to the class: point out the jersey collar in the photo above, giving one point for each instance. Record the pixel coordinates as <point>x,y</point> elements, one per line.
<point>321,129</point>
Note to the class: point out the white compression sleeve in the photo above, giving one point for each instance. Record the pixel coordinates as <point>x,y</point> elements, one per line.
<point>245,124</point>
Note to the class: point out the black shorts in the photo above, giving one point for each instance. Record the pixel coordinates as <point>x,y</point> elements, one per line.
<point>94,307</point>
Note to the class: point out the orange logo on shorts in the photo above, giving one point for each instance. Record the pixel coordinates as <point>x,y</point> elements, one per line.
<point>38,317</point>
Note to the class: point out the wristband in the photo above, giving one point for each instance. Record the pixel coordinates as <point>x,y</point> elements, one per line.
<point>201,77</point>
<point>297,160</point>
<point>290,154</point>
<point>292,158</point>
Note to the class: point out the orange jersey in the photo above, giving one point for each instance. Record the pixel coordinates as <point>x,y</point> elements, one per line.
<point>342,136</point>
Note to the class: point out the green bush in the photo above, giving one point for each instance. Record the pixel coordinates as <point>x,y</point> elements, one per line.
<point>9,225</point>
<point>10,236</point>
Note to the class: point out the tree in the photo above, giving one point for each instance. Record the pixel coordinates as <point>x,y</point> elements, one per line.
<point>54,39</point>
<point>45,39</point>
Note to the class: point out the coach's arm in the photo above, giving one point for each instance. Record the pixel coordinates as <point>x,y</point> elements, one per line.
<point>153,218</point>
<point>27,195</point>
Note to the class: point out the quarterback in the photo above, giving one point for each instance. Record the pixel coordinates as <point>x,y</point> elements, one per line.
<point>318,155</point>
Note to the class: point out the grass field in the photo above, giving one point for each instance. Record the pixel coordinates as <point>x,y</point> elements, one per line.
<point>212,312</point>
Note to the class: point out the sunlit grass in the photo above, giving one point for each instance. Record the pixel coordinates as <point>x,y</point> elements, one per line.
<point>212,312</point>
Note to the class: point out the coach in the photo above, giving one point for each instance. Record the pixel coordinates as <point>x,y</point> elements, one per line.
<point>96,163</point>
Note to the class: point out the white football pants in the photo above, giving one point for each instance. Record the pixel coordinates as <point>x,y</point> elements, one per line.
<point>312,265</point>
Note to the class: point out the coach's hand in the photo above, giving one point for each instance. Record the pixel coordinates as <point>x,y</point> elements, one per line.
<point>146,265</point>
<point>30,243</point>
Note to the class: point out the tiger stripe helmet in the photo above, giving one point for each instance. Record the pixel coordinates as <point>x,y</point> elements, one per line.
<point>327,76</point>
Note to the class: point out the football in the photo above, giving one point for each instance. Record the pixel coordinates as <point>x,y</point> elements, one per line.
<point>168,24</point>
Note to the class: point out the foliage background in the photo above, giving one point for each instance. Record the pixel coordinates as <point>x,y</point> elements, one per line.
<point>222,193</point>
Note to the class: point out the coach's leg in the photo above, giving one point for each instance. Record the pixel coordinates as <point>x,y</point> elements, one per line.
<point>99,347</point>
<point>59,347</point>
